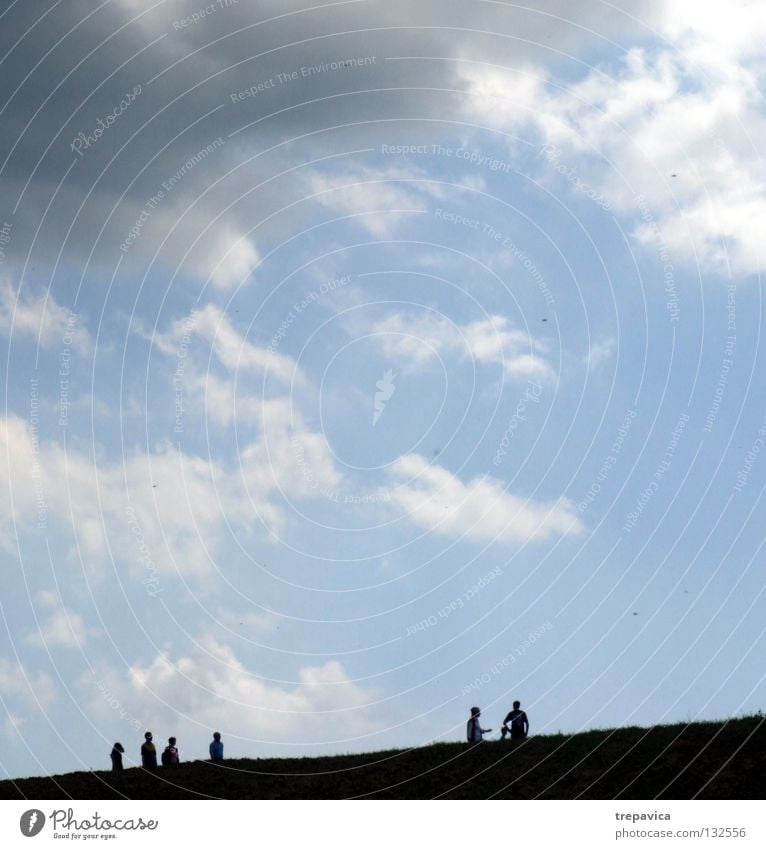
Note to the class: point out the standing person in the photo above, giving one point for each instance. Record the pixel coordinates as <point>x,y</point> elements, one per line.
<point>473,729</point>
<point>116,756</point>
<point>148,752</point>
<point>170,753</point>
<point>216,747</point>
<point>519,724</point>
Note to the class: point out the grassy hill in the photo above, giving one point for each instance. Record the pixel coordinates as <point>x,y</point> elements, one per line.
<point>715,760</point>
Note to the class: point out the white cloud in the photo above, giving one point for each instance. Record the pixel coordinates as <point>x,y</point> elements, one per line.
<point>164,511</point>
<point>392,194</point>
<point>39,316</point>
<point>220,402</point>
<point>62,627</point>
<point>210,687</point>
<point>599,353</point>
<point>694,110</point>
<point>289,457</point>
<point>157,513</point>
<point>22,693</point>
<point>29,688</point>
<point>717,36</point>
<point>414,341</point>
<point>232,260</point>
<point>231,349</point>
<point>507,97</point>
<point>22,496</point>
<point>435,499</point>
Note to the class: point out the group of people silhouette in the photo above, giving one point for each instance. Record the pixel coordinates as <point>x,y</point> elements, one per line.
<point>515,724</point>
<point>169,757</point>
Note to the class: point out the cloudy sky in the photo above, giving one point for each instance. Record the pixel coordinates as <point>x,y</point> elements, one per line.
<point>368,360</point>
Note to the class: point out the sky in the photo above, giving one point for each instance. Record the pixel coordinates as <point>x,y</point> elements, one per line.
<point>366,361</point>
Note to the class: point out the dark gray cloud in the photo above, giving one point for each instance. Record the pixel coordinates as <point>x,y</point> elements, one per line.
<point>102,105</point>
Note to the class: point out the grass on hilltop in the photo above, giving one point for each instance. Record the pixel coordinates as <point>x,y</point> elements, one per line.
<point>711,760</point>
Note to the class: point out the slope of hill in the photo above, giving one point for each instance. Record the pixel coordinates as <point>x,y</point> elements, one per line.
<point>714,760</point>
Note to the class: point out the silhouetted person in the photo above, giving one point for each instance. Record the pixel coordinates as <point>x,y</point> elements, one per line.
<point>473,730</point>
<point>148,752</point>
<point>116,756</point>
<point>516,723</point>
<point>216,747</point>
<point>170,753</point>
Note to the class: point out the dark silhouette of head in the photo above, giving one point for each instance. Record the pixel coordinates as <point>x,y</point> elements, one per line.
<point>516,705</point>
<point>148,736</point>
<point>216,735</point>
<point>171,741</point>
<point>475,711</point>
<point>118,747</point>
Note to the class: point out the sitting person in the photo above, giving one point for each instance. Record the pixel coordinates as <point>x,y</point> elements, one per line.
<point>519,724</point>
<point>216,747</point>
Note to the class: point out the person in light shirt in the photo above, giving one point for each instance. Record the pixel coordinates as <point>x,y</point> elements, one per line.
<point>474,731</point>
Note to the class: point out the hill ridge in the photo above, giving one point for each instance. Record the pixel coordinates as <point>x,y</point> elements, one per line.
<point>724,759</point>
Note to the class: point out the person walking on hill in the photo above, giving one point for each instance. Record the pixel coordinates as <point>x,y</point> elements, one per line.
<point>474,731</point>
<point>116,756</point>
<point>148,752</point>
<point>516,723</point>
<point>216,747</point>
<point>170,753</point>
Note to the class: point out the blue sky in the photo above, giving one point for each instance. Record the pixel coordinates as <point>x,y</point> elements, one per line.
<point>364,363</point>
